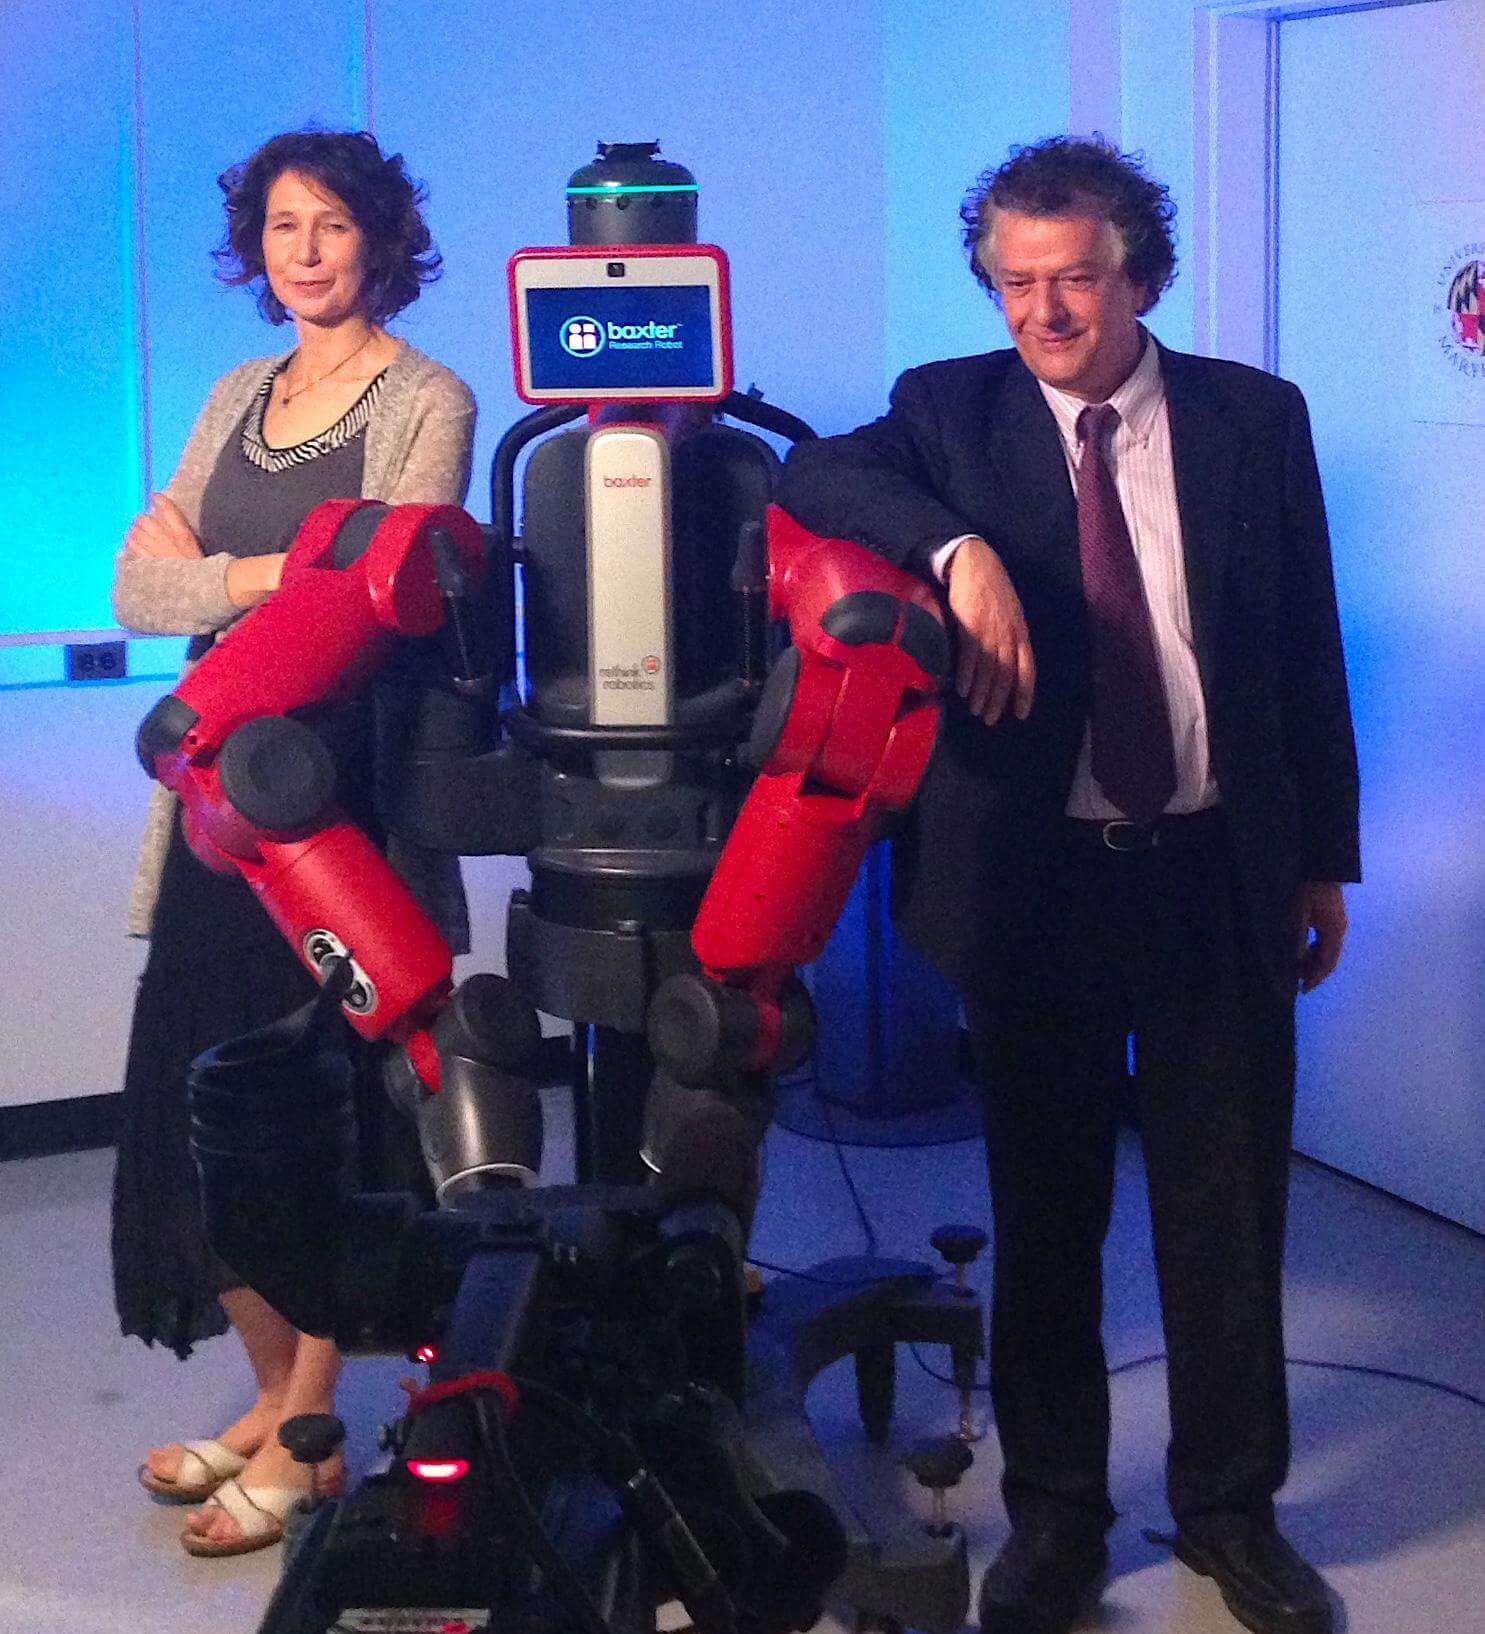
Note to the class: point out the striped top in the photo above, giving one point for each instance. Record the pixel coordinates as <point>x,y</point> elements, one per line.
<point>348,427</point>
<point>1139,456</point>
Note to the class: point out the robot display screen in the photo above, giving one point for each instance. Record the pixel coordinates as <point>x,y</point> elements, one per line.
<point>617,324</point>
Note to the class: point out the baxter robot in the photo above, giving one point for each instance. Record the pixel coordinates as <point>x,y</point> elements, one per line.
<point>605,1426</point>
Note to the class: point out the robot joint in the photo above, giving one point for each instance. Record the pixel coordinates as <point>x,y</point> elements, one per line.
<point>706,1034</point>
<point>163,730</point>
<point>865,617</point>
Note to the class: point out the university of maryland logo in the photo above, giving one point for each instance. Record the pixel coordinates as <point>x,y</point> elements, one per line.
<point>1463,301</point>
<point>1458,310</point>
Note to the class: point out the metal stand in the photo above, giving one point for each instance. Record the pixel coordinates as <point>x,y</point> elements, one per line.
<point>862,1308</point>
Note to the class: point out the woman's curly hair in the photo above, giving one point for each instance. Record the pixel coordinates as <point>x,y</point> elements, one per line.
<point>377,190</point>
<point>1071,175</point>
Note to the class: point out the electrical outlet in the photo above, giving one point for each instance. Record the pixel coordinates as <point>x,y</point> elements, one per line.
<point>97,661</point>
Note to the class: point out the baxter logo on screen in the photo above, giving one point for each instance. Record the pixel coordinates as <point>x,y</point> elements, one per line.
<point>644,337</point>
<point>581,337</point>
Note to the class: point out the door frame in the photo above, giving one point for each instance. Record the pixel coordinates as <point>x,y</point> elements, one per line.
<point>1235,237</point>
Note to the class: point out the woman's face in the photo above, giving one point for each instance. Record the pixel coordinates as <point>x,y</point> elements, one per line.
<point>312,251</point>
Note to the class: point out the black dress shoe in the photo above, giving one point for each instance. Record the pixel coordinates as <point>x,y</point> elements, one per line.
<point>1265,1584</point>
<point>1040,1583</point>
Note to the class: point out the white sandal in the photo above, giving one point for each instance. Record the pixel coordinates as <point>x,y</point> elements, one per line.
<point>260,1513</point>
<point>216,1462</point>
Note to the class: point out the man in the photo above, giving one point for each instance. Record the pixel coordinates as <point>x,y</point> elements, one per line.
<point>1135,828</point>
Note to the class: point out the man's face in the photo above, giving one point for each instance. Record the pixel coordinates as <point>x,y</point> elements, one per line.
<point>1071,309</point>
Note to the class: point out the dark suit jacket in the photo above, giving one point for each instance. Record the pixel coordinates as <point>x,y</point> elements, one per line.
<point>970,446</point>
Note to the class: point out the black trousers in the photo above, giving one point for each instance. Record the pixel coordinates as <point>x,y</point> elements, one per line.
<point>1095,946</point>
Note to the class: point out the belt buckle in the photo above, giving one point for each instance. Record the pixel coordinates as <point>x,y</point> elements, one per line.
<point>1122,835</point>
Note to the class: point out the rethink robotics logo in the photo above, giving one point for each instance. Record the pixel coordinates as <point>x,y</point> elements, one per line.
<point>640,677</point>
<point>584,337</point>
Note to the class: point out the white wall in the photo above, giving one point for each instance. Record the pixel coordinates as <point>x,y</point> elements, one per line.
<point>1159,70</point>
<point>1395,1048</point>
<point>71,803</point>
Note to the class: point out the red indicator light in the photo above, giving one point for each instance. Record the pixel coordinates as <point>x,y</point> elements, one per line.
<point>439,1469</point>
<point>426,1353</point>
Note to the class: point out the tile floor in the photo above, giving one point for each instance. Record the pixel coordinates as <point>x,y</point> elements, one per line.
<point>1387,1493</point>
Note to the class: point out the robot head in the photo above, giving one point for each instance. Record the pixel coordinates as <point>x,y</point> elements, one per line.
<point>629,195</point>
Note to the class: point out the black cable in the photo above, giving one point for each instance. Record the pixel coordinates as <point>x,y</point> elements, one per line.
<point>565,1408</point>
<point>822,1282</point>
<point>1363,1368</point>
<point>808,1077</point>
<point>1396,1375</point>
<point>564,1580</point>
<point>649,1506</point>
<point>873,1249</point>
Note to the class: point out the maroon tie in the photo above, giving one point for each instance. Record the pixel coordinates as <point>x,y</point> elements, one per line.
<point>1133,761</point>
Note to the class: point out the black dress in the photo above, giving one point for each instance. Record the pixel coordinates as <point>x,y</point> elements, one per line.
<point>217,966</point>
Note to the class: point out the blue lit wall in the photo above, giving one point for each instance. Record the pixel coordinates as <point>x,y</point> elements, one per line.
<point>959,91</point>
<point>833,146</point>
<point>69,369</point>
<point>117,118</point>
<point>776,106</point>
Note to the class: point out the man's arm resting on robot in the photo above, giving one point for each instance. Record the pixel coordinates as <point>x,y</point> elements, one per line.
<point>842,737</point>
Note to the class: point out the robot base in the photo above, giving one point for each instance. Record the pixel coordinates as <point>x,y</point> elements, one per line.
<point>862,1308</point>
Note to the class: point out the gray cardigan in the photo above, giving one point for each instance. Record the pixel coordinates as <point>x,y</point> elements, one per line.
<point>419,445</point>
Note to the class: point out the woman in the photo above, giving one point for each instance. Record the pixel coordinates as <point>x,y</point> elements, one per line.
<point>329,233</point>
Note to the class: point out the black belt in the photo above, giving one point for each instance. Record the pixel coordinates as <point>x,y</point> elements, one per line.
<point>1120,835</point>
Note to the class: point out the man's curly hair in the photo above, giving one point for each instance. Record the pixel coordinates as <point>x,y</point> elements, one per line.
<point>376,189</point>
<point>1073,175</point>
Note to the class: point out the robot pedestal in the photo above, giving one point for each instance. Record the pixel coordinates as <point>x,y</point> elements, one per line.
<point>864,1309</point>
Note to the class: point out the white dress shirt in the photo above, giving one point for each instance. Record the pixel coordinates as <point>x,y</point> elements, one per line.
<point>1139,457</point>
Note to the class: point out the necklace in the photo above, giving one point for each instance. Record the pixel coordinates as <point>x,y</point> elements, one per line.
<point>287,394</point>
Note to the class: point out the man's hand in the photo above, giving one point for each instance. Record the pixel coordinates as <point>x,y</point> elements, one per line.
<point>995,662</point>
<point>162,532</point>
<point>1322,932</point>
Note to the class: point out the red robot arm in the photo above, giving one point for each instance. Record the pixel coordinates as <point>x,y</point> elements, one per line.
<point>257,787</point>
<point>843,736</point>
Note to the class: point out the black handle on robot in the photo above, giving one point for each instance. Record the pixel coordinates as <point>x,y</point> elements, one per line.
<point>508,450</point>
<point>465,650</point>
<point>752,410</point>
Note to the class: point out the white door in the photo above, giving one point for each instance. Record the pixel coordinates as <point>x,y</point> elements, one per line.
<point>1381,181</point>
